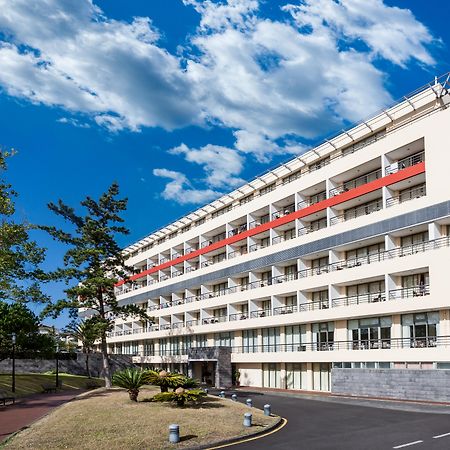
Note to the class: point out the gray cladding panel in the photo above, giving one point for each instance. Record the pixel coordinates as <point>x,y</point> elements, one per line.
<point>427,214</point>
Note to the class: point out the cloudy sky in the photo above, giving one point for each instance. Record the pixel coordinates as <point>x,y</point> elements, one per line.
<point>182,100</point>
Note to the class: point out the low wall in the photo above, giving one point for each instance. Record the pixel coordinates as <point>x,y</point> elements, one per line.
<point>74,366</point>
<point>410,384</point>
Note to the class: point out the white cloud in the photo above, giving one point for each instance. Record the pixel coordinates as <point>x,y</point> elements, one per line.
<point>76,58</point>
<point>221,165</point>
<point>180,189</point>
<point>273,83</point>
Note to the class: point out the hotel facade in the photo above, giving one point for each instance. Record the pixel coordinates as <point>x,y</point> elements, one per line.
<point>339,258</point>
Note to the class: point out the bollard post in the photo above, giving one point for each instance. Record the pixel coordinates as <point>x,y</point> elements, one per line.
<point>206,390</point>
<point>222,394</point>
<point>247,419</point>
<point>234,398</point>
<point>267,410</point>
<point>249,402</point>
<point>174,433</point>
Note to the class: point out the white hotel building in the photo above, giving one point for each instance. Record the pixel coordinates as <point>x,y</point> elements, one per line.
<point>337,259</point>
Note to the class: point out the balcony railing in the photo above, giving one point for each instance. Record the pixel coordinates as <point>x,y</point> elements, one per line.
<point>371,297</point>
<point>321,196</point>
<point>238,316</point>
<point>288,235</point>
<point>280,310</point>
<point>237,230</point>
<point>177,273</point>
<point>315,305</point>
<point>314,226</point>
<point>356,182</point>
<point>405,162</point>
<point>192,323</point>
<point>339,265</point>
<point>283,212</point>
<point>213,240</point>
<point>177,325</point>
<point>236,253</point>
<point>410,194</point>
<point>359,211</point>
<point>191,269</point>
<point>259,246</point>
<point>407,292</point>
<point>216,319</point>
<point>260,313</point>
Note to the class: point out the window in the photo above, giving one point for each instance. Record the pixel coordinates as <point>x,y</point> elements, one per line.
<point>249,341</point>
<point>415,285</point>
<point>296,376</point>
<point>149,348</point>
<point>320,299</point>
<point>295,335</point>
<point>292,177</point>
<point>219,258</point>
<point>186,344</point>
<point>413,243</point>
<point>267,189</point>
<point>163,350</point>
<point>290,271</point>
<point>201,341</point>
<point>420,330</point>
<point>271,339</point>
<point>367,292</point>
<point>245,200</point>
<point>219,212</point>
<point>370,333</point>
<point>220,288</point>
<point>412,192</point>
<point>361,210</point>
<point>364,252</point>
<point>323,335</point>
<point>319,164</point>
<point>225,339</point>
<point>320,265</point>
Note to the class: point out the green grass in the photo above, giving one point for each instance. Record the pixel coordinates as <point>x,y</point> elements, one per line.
<point>31,383</point>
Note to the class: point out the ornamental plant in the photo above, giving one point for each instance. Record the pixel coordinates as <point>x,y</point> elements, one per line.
<point>165,380</point>
<point>180,396</point>
<point>131,380</point>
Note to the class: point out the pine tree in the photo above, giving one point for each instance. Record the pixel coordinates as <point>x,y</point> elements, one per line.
<point>20,257</point>
<point>95,261</point>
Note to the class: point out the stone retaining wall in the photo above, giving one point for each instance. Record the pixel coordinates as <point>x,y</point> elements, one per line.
<point>411,384</point>
<point>74,366</point>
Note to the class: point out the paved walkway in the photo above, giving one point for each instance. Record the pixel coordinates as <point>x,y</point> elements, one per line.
<point>27,410</point>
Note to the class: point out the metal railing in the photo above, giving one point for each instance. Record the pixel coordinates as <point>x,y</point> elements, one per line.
<point>255,247</point>
<point>321,196</point>
<point>314,226</point>
<point>356,182</point>
<point>237,230</point>
<point>216,319</point>
<point>236,253</point>
<point>192,323</point>
<point>238,316</point>
<point>315,305</point>
<point>287,236</point>
<point>410,194</point>
<point>283,212</point>
<point>407,292</point>
<point>371,297</point>
<point>353,213</point>
<point>405,162</point>
<point>212,240</point>
<point>280,310</point>
<point>260,313</point>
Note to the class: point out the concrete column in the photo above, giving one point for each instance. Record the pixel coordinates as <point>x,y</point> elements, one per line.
<point>309,377</point>
<point>340,330</point>
<point>444,322</point>
<point>283,374</point>
<point>396,331</point>
<point>434,231</point>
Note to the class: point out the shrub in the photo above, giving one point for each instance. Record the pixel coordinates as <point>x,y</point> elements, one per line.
<point>165,380</point>
<point>180,396</point>
<point>131,380</point>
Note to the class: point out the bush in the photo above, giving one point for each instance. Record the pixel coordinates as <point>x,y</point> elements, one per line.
<point>165,380</point>
<point>131,380</point>
<point>180,396</point>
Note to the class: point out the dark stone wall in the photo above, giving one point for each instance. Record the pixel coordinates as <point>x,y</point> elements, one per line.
<point>411,384</point>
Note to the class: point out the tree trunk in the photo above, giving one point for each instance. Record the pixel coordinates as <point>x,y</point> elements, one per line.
<point>133,393</point>
<point>88,371</point>
<point>106,367</point>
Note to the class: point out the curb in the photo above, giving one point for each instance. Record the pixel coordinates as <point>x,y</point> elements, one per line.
<point>239,439</point>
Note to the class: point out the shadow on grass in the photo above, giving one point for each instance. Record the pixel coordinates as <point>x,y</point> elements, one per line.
<point>207,403</point>
<point>187,437</point>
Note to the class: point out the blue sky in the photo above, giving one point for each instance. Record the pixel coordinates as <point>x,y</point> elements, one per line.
<point>180,101</point>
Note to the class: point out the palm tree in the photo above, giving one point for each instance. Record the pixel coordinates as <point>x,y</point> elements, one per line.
<point>131,380</point>
<point>165,380</point>
<point>87,332</point>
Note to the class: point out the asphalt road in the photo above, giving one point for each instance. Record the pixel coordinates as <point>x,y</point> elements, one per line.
<point>325,425</point>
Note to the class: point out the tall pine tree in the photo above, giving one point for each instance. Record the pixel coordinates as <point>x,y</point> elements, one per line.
<point>95,261</point>
<point>20,257</point>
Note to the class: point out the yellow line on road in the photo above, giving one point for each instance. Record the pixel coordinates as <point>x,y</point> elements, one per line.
<point>260,436</point>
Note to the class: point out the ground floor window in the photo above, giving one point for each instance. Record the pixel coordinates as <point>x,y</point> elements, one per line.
<point>271,375</point>
<point>296,376</point>
<point>149,349</point>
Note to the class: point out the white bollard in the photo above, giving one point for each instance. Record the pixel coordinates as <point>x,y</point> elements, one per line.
<point>174,433</point>
<point>247,419</point>
<point>249,402</point>
<point>267,410</point>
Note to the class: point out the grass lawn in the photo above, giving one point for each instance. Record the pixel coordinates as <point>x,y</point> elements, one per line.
<point>108,420</point>
<point>31,383</point>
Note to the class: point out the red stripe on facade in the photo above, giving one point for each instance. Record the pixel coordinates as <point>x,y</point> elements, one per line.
<point>320,206</point>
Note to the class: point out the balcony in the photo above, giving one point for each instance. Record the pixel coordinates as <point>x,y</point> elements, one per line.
<point>405,162</point>
<point>280,310</point>
<point>237,230</point>
<point>407,292</point>
<point>287,236</point>
<point>259,246</point>
<point>211,320</point>
<point>321,196</point>
<point>177,325</point>
<point>213,240</point>
<point>284,212</point>
<point>359,211</point>
<point>260,313</point>
<point>372,297</point>
<point>236,253</point>
<point>356,182</point>
<point>238,316</point>
<point>410,194</point>
<point>314,306</point>
<point>314,226</point>
<point>192,323</point>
